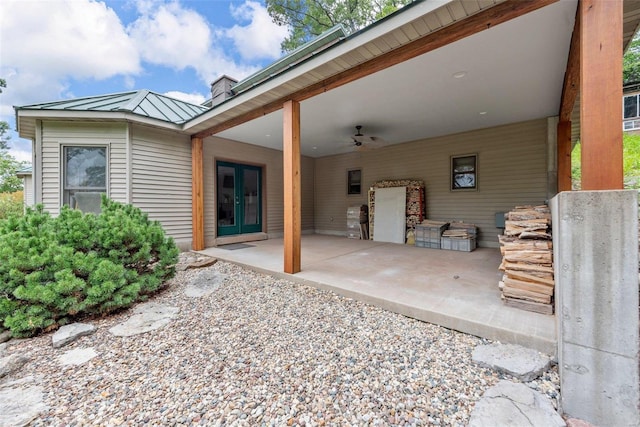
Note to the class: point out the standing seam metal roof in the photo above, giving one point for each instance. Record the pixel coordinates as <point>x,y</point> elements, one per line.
<point>142,102</point>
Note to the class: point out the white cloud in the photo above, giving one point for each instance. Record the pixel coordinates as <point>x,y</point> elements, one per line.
<point>61,40</point>
<point>193,98</point>
<point>168,34</point>
<point>20,149</point>
<point>51,46</point>
<point>171,35</point>
<point>261,38</point>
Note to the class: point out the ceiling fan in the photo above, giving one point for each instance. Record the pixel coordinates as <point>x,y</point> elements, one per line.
<point>363,142</point>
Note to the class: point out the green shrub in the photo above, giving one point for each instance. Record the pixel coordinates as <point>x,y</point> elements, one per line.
<point>55,269</point>
<point>11,204</point>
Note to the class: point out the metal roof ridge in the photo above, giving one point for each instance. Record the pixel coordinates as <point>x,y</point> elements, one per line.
<point>134,101</point>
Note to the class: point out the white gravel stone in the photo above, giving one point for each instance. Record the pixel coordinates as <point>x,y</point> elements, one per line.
<point>264,351</point>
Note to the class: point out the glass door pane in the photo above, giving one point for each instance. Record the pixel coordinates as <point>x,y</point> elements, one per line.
<point>251,184</point>
<point>226,192</point>
<point>239,201</point>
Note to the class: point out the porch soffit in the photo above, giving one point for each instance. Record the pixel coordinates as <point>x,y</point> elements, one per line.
<point>419,98</point>
<point>317,70</point>
<point>515,73</point>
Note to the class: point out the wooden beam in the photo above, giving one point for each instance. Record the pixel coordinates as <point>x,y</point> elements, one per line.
<point>564,156</point>
<point>571,86</point>
<point>197,195</point>
<point>292,187</point>
<point>601,94</point>
<point>481,21</point>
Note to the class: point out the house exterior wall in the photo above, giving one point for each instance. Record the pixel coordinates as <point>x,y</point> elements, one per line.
<point>160,174</point>
<point>55,135</point>
<point>512,170</point>
<point>27,183</point>
<point>272,188</point>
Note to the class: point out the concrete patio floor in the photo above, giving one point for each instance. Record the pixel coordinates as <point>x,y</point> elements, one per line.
<point>457,290</point>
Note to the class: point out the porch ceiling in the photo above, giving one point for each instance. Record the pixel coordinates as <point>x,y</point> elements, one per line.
<point>514,72</point>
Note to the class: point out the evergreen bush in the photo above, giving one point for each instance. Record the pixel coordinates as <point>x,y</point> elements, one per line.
<point>55,269</point>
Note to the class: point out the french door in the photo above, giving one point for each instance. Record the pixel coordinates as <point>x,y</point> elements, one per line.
<point>239,198</point>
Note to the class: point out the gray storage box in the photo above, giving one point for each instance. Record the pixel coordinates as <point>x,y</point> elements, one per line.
<point>463,245</point>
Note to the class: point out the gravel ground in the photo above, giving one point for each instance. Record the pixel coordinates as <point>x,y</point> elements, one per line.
<point>265,351</point>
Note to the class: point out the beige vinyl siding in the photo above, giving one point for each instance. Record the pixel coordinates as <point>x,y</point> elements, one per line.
<point>161,180</point>
<point>28,190</point>
<point>57,134</point>
<point>511,171</point>
<point>272,188</point>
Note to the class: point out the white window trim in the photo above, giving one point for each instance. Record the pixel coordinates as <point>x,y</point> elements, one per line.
<point>635,124</point>
<point>63,165</point>
<point>624,97</point>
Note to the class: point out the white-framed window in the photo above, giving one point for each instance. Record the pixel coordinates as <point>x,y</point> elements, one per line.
<point>84,170</point>
<point>631,106</point>
<point>631,125</point>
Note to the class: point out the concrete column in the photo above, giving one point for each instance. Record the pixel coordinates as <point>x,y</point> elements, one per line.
<point>595,239</point>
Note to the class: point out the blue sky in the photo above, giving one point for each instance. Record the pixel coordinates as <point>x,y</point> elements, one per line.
<point>61,49</point>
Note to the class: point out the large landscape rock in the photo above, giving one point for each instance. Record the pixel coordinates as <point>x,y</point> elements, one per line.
<point>20,402</point>
<point>204,283</point>
<point>147,317</point>
<point>11,364</point>
<point>77,356</point>
<point>70,333</point>
<point>5,336</point>
<point>521,362</point>
<point>509,404</point>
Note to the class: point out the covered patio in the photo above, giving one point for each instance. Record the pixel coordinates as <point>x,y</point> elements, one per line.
<point>457,290</point>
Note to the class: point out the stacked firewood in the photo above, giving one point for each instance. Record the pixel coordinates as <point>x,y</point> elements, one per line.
<point>456,233</point>
<point>527,261</point>
<point>460,230</point>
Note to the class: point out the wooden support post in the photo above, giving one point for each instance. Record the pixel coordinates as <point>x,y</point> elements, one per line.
<point>564,156</point>
<point>197,195</point>
<point>601,88</point>
<point>292,191</point>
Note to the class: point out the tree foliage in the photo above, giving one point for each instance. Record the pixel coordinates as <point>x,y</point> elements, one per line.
<point>55,269</point>
<point>631,62</point>
<point>4,126</point>
<point>631,162</point>
<point>308,19</point>
<point>11,204</point>
<point>9,166</point>
<point>9,182</point>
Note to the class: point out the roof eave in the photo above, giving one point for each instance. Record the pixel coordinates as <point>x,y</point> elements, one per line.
<point>23,114</point>
<point>334,51</point>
